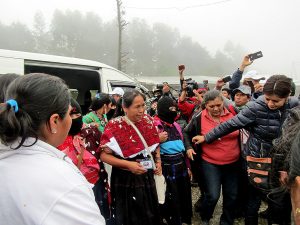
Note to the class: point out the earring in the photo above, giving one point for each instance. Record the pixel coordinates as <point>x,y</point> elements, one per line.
<point>53,131</point>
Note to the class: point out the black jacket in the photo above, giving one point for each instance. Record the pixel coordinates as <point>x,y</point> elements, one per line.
<point>263,124</point>
<point>191,130</point>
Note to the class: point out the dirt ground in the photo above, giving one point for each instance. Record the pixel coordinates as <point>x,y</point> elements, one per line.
<point>218,211</point>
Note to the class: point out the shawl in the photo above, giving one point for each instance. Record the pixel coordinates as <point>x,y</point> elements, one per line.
<point>123,140</point>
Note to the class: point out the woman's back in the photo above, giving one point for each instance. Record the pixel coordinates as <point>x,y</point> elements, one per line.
<point>24,193</point>
<point>40,185</point>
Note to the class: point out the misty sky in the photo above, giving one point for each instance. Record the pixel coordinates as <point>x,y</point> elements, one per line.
<point>272,26</point>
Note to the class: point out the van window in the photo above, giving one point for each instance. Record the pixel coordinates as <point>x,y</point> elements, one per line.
<point>83,81</point>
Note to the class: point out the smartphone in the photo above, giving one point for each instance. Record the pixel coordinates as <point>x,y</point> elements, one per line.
<point>181,67</point>
<point>255,55</point>
<point>226,79</point>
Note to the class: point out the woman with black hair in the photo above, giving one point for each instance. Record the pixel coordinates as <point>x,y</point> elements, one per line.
<point>263,118</point>
<point>40,185</point>
<point>133,191</point>
<point>99,108</point>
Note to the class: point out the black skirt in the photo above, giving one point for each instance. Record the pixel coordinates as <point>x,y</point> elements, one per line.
<point>134,198</point>
<point>177,208</point>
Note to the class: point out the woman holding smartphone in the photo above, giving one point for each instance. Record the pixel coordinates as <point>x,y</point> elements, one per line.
<point>263,118</point>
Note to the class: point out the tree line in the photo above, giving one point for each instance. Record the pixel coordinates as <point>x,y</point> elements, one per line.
<point>148,49</point>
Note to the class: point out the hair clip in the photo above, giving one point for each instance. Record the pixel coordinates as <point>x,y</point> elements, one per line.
<point>13,103</point>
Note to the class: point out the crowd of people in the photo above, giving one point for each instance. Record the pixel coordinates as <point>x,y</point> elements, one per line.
<point>129,163</point>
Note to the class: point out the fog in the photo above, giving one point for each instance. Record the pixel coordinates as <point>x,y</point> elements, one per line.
<point>271,26</point>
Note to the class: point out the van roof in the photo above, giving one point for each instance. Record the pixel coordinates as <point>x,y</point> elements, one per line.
<point>51,58</point>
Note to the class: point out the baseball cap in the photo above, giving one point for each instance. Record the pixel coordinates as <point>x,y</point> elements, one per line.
<point>117,91</point>
<point>244,89</point>
<point>253,74</point>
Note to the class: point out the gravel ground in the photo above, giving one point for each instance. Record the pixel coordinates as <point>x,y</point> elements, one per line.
<point>218,211</point>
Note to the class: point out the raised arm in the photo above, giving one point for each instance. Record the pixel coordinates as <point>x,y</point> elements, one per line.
<point>237,75</point>
<point>244,118</point>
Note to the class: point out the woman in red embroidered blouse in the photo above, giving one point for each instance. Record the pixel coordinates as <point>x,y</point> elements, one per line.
<point>134,197</point>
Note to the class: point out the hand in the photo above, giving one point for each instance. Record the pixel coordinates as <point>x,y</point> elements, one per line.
<point>219,84</point>
<point>94,124</point>
<point>258,87</point>
<point>181,71</point>
<point>283,178</point>
<point>198,96</point>
<point>190,174</point>
<point>158,170</point>
<point>163,136</point>
<point>190,153</point>
<point>246,62</point>
<point>136,168</point>
<point>198,139</point>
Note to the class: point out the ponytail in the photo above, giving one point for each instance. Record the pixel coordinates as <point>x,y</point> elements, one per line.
<point>33,99</point>
<point>10,127</point>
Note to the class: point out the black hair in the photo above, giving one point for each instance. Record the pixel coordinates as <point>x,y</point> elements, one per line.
<point>227,90</point>
<point>129,97</point>
<point>75,107</point>
<point>5,80</point>
<point>98,103</point>
<point>212,95</point>
<point>38,96</point>
<point>279,85</point>
<point>113,101</point>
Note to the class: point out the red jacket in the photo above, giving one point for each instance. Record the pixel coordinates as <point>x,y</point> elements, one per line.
<point>187,108</point>
<point>225,150</point>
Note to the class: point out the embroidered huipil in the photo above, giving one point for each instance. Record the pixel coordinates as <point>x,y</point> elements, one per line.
<point>123,140</point>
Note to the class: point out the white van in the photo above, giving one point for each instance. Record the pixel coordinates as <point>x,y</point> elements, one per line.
<point>84,77</point>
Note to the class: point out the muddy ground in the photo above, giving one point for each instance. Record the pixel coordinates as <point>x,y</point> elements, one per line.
<point>218,211</point>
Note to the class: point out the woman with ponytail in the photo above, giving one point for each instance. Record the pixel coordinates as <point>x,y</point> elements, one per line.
<point>39,184</point>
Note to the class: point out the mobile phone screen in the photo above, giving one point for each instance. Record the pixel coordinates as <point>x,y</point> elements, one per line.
<point>255,55</point>
<point>226,79</point>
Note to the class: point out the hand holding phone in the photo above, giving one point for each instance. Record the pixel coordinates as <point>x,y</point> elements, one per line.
<point>226,79</point>
<point>255,55</point>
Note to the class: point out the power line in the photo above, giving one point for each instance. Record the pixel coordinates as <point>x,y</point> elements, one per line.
<point>179,8</point>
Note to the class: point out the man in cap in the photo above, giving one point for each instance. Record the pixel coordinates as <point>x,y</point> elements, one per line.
<point>252,78</point>
<point>241,96</point>
<point>117,93</point>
